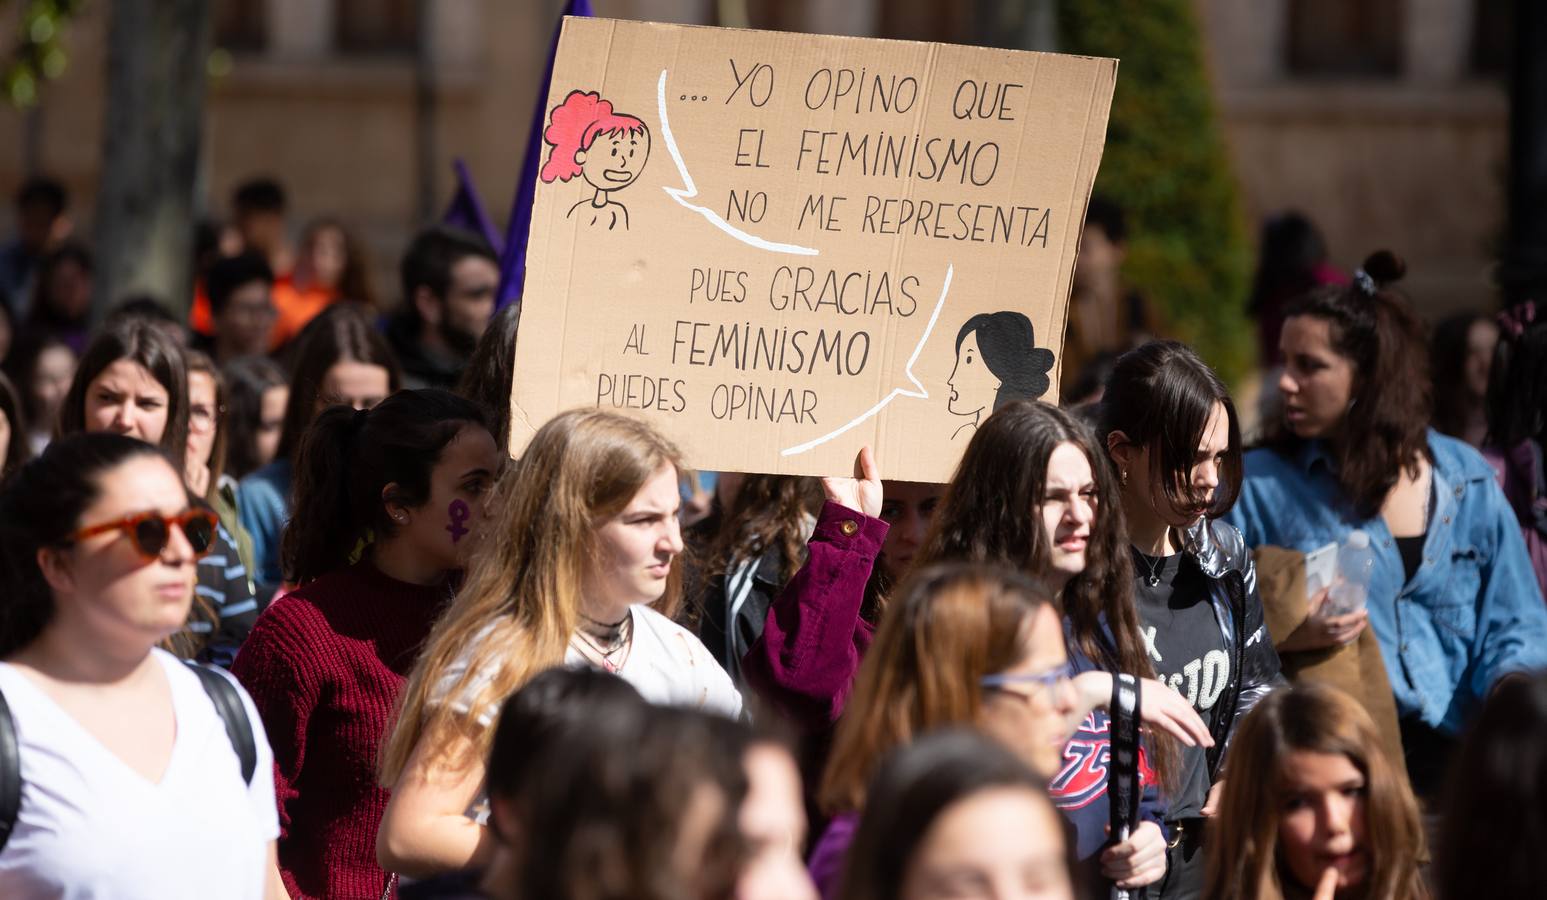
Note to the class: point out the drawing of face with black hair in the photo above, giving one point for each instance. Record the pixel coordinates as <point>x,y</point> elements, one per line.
<point>997,361</point>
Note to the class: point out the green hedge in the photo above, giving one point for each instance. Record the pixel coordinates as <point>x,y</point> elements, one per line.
<point>1167,165</point>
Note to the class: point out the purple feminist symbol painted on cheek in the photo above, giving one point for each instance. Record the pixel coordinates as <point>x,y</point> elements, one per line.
<point>458,513</point>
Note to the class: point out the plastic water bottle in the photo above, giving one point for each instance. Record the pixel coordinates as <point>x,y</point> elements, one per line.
<point>1356,562</point>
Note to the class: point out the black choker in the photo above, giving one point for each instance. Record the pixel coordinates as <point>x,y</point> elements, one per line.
<point>611,626</point>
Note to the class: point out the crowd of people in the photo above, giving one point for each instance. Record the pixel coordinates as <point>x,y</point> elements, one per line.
<point>282,617</point>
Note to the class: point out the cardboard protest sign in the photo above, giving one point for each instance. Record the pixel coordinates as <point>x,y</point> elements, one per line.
<point>779,247</point>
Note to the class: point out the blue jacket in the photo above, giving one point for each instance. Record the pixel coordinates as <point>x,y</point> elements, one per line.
<point>263,499</point>
<point>1472,612</point>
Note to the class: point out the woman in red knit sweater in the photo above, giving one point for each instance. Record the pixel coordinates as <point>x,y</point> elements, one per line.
<point>388,503</point>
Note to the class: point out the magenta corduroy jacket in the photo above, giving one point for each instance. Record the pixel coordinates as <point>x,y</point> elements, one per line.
<point>815,637</point>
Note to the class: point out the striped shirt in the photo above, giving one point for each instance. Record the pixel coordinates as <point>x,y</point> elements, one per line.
<point>224,608</point>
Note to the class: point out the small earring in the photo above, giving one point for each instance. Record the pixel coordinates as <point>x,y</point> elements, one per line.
<point>1122,475</point>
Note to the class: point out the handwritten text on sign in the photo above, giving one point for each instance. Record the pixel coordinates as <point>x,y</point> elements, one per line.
<point>782,247</point>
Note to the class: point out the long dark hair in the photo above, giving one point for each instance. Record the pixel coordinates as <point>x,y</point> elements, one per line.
<point>18,448</point>
<point>989,514</point>
<point>486,380</point>
<point>1161,396</point>
<point>1495,821</point>
<point>1292,259</point>
<point>555,704</point>
<point>340,333</point>
<point>22,365</point>
<point>612,800</point>
<point>1373,327</point>
<point>40,507</point>
<point>1291,248</point>
<point>1517,384</point>
<point>348,458</point>
<point>1008,344</point>
<point>911,790</point>
<point>247,378</point>
<point>152,348</point>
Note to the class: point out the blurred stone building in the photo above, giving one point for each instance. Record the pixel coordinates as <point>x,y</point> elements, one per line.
<point>1384,120</point>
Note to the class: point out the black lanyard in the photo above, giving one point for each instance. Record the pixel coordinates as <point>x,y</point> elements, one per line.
<point>1123,787</point>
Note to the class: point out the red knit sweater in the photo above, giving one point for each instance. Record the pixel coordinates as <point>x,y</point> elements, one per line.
<point>324,666</point>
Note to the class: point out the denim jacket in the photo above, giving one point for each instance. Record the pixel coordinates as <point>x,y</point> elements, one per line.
<point>263,499</point>
<point>1472,611</point>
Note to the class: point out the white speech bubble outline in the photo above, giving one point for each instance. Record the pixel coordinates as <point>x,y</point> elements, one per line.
<point>689,189</point>
<point>920,394</point>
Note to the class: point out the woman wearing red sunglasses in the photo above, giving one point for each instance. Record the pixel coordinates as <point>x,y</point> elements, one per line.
<point>130,785</point>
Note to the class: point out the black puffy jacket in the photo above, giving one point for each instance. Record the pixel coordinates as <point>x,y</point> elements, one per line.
<point>1223,556</point>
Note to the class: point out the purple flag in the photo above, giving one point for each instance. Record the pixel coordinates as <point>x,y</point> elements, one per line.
<point>466,210</point>
<point>519,228</point>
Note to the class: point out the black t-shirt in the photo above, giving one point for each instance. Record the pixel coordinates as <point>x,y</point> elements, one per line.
<point>1411,551</point>
<point>463,885</point>
<point>1188,651</point>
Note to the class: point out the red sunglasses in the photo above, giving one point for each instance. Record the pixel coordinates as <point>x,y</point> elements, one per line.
<point>151,532</point>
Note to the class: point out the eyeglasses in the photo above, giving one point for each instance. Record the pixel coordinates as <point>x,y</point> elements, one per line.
<point>151,532</point>
<point>203,417</point>
<point>1042,681</point>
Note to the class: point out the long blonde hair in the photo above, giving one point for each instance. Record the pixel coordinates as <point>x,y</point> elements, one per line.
<point>521,601</point>
<point>1243,862</point>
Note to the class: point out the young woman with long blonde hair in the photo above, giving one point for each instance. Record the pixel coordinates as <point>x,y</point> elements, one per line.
<point>579,569</point>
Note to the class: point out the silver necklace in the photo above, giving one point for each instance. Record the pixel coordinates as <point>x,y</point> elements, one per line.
<point>1153,578</point>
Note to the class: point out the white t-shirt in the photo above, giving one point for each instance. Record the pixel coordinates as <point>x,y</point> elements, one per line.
<point>667,664</point>
<point>92,827</point>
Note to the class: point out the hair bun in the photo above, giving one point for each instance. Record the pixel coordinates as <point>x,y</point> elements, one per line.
<point>1385,267</point>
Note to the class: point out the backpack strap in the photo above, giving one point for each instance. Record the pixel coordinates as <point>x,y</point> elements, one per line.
<point>10,773</point>
<point>228,703</point>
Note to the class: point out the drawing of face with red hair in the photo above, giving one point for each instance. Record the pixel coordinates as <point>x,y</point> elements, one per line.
<point>605,148</point>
